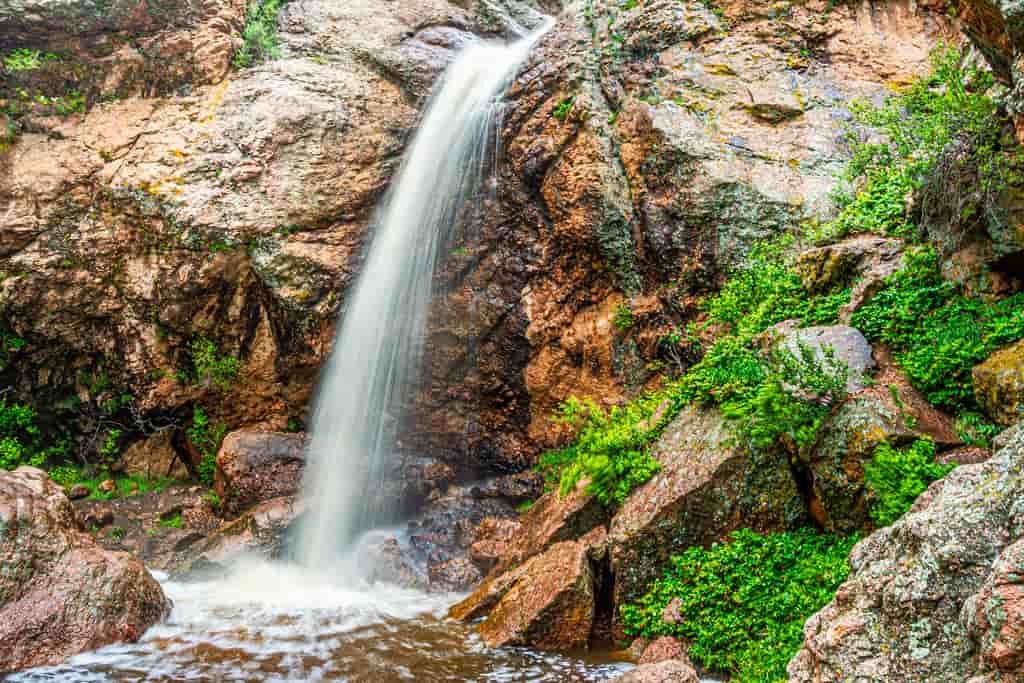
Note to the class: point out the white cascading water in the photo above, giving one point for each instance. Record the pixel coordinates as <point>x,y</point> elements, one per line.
<point>377,348</point>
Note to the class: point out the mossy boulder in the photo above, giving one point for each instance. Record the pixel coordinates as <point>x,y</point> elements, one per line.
<point>999,384</point>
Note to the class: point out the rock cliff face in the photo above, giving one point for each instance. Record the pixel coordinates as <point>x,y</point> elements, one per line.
<point>644,150</point>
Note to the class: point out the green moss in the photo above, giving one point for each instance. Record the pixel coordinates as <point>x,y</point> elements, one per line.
<point>743,603</point>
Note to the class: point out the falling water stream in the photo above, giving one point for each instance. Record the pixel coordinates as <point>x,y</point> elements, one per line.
<point>317,618</point>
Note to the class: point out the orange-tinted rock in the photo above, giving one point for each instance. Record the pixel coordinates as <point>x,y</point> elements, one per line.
<point>60,593</point>
<point>996,614</point>
<point>494,537</point>
<point>548,602</point>
<point>253,467</point>
<point>663,649</point>
<point>154,457</point>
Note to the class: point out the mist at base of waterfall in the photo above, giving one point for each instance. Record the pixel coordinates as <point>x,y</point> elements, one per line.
<point>280,622</point>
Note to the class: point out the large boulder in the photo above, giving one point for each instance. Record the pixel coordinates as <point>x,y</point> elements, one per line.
<point>863,262</point>
<point>548,602</point>
<point>833,347</point>
<point>154,457</point>
<point>708,485</point>
<point>60,593</point>
<point>668,671</point>
<point>999,384</point>
<point>933,597</point>
<point>253,467</point>
<point>889,411</point>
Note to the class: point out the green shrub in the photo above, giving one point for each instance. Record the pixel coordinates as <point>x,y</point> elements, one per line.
<point>744,602</point>
<point>19,437</point>
<point>561,111</point>
<point>23,59</point>
<point>212,367</point>
<point>951,103</point>
<point>623,318</point>
<point>206,437</point>
<point>172,522</point>
<point>896,477</point>
<point>611,449</point>
<point>938,334</point>
<point>260,34</point>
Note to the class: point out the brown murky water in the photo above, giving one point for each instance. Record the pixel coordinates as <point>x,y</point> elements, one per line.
<point>274,623</point>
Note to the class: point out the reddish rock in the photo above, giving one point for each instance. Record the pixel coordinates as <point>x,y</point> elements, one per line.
<point>154,457</point>
<point>966,455</point>
<point>453,576</point>
<point>258,531</point>
<point>79,491</point>
<point>548,602</point>
<point>551,519</point>
<point>253,467</point>
<point>669,671</point>
<point>494,537</point>
<point>995,615</point>
<point>664,649</point>
<point>60,593</point>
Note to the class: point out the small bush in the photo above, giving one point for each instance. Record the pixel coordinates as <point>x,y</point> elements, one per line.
<point>260,34</point>
<point>896,477</point>
<point>23,59</point>
<point>19,437</point>
<point>744,602</point>
<point>611,449</point>
<point>938,334</point>
<point>212,367</point>
<point>623,318</point>
<point>206,437</point>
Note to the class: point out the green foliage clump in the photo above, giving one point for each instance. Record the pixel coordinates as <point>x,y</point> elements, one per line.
<point>743,603</point>
<point>623,318</point>
<point>610,449</point>
<point>950,104</point>
<point>211,366</point>
<point>896,477</point>
<point>23,59</point>
<point>172,522</point>
<point>937,333</point>
<point>562,109</point>
<point>19,437</point>
<point>206,437</point>
<point>260,34</point>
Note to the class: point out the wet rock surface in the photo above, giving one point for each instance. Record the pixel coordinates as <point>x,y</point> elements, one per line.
<point>999,384</point>
<point>255,467</point>
<point>60,592</point>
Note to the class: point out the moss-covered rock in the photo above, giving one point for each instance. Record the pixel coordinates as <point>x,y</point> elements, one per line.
<point>999,384</point>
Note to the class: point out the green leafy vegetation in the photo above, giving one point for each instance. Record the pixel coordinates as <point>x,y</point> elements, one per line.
<point>23,59</point>
<point>562,109</point>
<point>69,475</point>
<point>950,104</point>
<point>260,34</point>
<point>743,603</point>
<point>610,449</point>
<point>19,437</point>
<point>206,437</point>
<point>938,334</point>
<point>623,318</point>
<point>211,367</point>
<point>895,477</point>
<point>172,522</point>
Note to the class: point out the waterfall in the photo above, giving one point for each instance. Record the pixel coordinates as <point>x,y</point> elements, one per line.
<point>377,349</point>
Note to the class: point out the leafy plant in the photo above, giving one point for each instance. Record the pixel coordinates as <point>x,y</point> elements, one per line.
<point>896,477</point>
<point>743,603</point>
<point>937,333</point>
<point>623,318</point>
<point>562,109</point>
<point>172,522</point>
<point>212,367</point>
<point>19,437</point>
<point>23,59</point>
<point>610,449</point>
<point>260,34</point>
<point>206,437</point>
